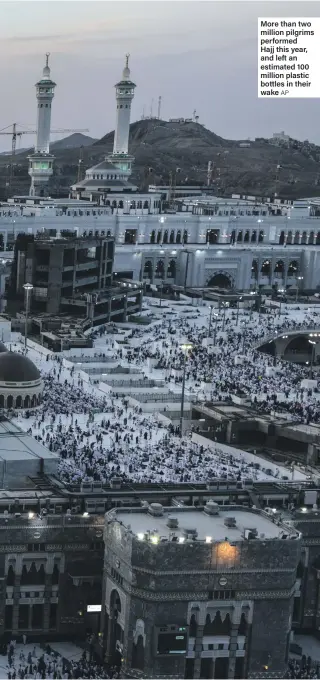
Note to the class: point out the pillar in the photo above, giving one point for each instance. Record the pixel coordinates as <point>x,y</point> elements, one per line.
<point>233,639</point>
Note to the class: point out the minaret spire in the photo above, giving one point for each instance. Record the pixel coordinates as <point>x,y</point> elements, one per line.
<point>41,161</point>
<point>124,96</point>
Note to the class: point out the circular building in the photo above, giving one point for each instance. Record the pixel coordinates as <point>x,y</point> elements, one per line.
<point>20,381</point>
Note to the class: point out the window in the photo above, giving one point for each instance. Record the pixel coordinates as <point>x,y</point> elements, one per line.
<point>116,576</point>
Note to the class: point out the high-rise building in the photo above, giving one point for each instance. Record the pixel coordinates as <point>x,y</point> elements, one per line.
<point>70,276</point>
<point>41,161</point>
<point>202,592</point>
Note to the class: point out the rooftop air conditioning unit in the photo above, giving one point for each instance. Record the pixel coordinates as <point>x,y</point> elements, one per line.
<point>190,533</point>
<point>211,508</point>
<point>115,483</point>
<point>172,522</point>
<point>155,509</point>
<point>230,522</point>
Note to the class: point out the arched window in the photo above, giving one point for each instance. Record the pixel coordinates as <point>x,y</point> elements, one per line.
<point>27,401</point>
<point>1,401</point>
<point>165,236</point>
<point>10,401</point>
<point>19,401</point>
<point>185,236</point>
<point>261,236</point>
<point>289,238</point>
<point>11,576</point>
<point>133,205</point>
<point>246,236</point>
<point>172,236</point>
<point>171,272</point>
<point>114,204</point>
<point>178,237</point>
<point>146,205</point>
<point>121,204</point>
<point>304,237</point>
<point>33,401</point>
<point>296,238</point>
<point>253,236</point>
<point>281,239</point>
<point>139,205</point>
<point>153,237</point>
<point>239,237</point>
<point>311,238</point>
<point>159,236</point>
<point>318,239</point>
<point>160,269</point>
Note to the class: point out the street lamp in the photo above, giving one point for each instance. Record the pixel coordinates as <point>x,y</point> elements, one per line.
<point>225,305</point>
<point>281,290</point>
<point>28,288</point>
<point>238,307</point>
<point>312,357</point>
<point>299,278</point>
<point>215,328</point>
<point>210,319</point>
<point>185,348</point>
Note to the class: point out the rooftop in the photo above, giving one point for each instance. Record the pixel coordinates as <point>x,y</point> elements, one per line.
<point>206,525</point>
<point>18,445</point>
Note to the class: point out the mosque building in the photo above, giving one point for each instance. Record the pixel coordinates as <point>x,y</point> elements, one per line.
<point>241,242</point>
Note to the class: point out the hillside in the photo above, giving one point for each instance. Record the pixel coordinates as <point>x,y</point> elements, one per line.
<point>165,146</point>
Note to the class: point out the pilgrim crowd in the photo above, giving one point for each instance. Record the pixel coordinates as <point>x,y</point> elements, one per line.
<point>33,662</point>
<point>99,436</point>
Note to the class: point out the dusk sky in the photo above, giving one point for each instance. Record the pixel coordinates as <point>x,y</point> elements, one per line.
<point>196,55</point>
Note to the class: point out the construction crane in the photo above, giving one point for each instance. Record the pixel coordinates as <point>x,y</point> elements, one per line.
<point>18,133</point>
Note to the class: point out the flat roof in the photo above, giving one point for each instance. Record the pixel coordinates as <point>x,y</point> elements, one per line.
<point>18,445</point>
<point>141,521</point>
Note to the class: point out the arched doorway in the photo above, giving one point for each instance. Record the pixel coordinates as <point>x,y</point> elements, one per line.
<point>160,269</point>
<point>220,280</point>
<point>116,632</point>
<point>147,270</point>
<point>171,272</point>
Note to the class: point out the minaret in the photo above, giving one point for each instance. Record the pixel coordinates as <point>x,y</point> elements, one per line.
<point>41,161</point>
<point>124,96</point>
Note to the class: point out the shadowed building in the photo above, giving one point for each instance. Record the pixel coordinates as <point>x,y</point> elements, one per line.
<point>199,593</point>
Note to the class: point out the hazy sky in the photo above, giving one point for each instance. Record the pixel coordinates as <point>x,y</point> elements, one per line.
<point>196,55</point>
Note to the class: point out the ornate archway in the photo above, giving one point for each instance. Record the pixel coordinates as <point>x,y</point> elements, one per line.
<point>219,279</point>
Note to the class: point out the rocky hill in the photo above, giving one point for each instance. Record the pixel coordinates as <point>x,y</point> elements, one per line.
<point>257,167</point>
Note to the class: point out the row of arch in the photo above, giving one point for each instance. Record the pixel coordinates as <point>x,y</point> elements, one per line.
<point>279,268</point>
<point>19,401</point>
<point>134,205</point>
<point>217,625</point>
<point>174,237</point>
<point>159,270</point>
<point>34,575</point>
<point>296,238</point>
<point>255,236</point>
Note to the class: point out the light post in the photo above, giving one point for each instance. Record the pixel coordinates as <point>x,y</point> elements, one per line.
<point>238,308</point>
<point>281,290</point>
<point>225,304</point>
<point>215,328</point>
<point>28,288</point>
<point>185,348</point>
<point>210,319</point>
<point>299,278</point>
<point>312,342</point>
<point>161,290</point>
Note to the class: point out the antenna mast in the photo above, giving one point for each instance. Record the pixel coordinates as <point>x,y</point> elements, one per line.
<point>159,106</point>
